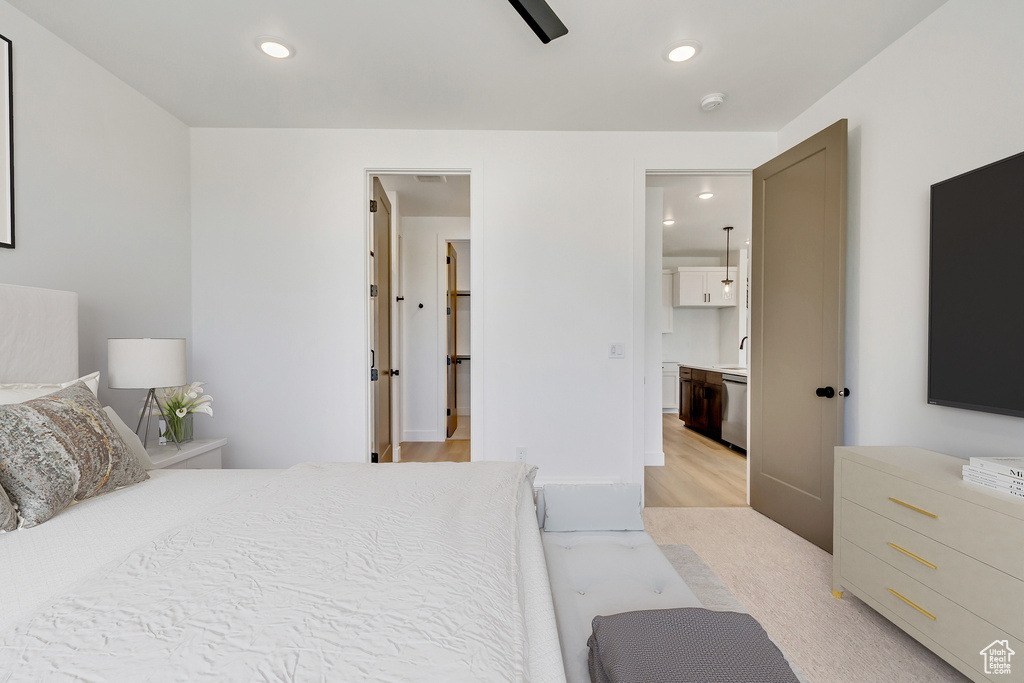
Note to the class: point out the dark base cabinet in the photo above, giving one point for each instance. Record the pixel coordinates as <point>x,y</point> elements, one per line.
<point>700,401</point>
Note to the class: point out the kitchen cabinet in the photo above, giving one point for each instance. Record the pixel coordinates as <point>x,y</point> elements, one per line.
<point>666,306</point>
<point>701,287</point>
<point>685,394</point>
<point>669,387</point>
<point>700,400</point>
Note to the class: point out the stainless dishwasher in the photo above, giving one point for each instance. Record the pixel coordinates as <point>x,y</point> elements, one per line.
<point>734,410</point>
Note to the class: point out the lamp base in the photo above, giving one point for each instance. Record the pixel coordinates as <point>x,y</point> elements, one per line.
<point>148,416</point>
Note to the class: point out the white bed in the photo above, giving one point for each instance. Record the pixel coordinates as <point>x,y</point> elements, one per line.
<point>321,572</point>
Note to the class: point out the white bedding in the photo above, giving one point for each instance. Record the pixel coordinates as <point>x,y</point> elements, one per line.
<point>38,563</point>
<point>325,572</point>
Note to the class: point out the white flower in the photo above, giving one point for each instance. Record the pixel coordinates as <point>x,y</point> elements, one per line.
<point>181,412</point>
<point>205,408</point>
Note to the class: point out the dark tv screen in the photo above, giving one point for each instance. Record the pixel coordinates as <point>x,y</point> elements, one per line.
<point>976,297</point>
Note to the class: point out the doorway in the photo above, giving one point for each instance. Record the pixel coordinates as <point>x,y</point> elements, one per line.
<point>704,346</point>
<point>797,286</point>
<point>432,282</point>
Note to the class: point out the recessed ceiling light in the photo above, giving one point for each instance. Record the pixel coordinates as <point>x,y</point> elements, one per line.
<point>682,51</point>
<point>273,47</point>
<point>706,195</point>
<point>669,222</point>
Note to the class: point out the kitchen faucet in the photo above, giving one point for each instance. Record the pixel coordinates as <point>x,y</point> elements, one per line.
<point>743,340</point>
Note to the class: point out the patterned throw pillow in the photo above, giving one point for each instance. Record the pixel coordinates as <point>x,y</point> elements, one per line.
<point>60,448</point>
<point>8,516</point>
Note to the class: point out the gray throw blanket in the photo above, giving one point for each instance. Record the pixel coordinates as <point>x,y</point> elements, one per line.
<point>685,645</point>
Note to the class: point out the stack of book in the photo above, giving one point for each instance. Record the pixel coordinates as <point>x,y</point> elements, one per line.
<point>1001,474</point>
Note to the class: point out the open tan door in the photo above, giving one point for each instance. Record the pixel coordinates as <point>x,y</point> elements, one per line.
<point>380,303</point>
<point>799,256</point>
<point>452,291</point>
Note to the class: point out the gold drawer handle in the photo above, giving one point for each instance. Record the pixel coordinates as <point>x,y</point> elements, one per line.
<point>924,612</point>
<point>913,507</point>
<point>910,554</point>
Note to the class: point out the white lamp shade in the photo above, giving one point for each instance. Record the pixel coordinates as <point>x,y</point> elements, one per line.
<point>145,363</point>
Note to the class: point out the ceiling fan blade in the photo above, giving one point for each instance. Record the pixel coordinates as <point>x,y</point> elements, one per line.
<point>541,18</point>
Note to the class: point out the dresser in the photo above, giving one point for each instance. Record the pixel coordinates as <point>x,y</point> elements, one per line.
<point>939,557</point>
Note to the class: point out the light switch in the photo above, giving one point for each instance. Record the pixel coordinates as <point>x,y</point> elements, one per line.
<point>617,350</point>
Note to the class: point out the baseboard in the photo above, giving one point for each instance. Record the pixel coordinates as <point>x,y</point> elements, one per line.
<point>670,411</point>
<point>422,435</point>
<point>654,458</point>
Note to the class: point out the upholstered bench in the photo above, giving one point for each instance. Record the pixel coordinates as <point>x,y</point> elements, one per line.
<point>601,561</point>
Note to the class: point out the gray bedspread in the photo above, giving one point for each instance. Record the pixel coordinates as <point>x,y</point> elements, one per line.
<point>684,645</point>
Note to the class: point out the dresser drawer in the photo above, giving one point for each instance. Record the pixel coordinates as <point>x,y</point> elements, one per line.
<point>977,531</point>
<point>952,627</point>
<point>976,586</point>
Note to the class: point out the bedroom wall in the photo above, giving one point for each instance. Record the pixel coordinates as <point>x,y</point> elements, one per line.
<point>101,198</point>
<point>942,100</point>
<point>558,247</point>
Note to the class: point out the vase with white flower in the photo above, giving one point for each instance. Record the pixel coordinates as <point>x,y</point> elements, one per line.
<point>178,405</point>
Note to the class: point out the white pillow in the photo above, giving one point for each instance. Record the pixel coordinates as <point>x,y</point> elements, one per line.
<point>130,438</point>
<point>26,391</point>
<point>593,507</point>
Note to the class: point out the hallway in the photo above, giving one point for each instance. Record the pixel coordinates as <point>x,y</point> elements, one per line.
<point>698,471</point>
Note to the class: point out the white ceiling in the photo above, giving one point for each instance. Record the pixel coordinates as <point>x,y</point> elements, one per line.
<point>416,198</point>
<point>474,64</point>
<point>698,222</point>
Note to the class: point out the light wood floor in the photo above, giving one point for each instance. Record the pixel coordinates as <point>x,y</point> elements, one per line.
<point>698,471</point>
<point>455,449</point>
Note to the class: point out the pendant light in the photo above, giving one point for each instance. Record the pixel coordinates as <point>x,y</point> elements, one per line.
<point>727,283</point>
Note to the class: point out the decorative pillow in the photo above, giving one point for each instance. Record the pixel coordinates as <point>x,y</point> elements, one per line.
<point>26,391</point>
<point>8,515</point>
<point>130,438</point>
<point>60,448</point>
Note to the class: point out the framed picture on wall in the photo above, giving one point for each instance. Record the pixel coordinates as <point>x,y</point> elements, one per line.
<point>6,147</point>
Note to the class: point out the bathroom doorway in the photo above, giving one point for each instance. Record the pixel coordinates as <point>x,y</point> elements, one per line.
<point>433,276</point>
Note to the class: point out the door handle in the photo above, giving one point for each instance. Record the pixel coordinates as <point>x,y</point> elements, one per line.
<point>844,392</point>
<point>825,392</point>
<point>373,359</point>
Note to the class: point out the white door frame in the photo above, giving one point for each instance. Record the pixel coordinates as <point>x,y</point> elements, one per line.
<point>476,303</point>
<point>640,296</point>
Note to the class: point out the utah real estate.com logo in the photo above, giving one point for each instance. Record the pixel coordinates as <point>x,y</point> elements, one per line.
<point>997,657</point>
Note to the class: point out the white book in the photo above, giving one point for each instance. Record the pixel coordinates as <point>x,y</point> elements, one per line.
<point>993,487</point>
<point>994,477</point>
<point>1014,467</point>
<point>994,484</point>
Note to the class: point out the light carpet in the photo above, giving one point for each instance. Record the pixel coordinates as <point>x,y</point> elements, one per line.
<point>785,582</point>
<point>711,592</point>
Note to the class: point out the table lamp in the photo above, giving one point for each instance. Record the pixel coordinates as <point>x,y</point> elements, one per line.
<point>146,364</point>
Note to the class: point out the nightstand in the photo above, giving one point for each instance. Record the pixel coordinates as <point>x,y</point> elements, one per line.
<point>200,454</point>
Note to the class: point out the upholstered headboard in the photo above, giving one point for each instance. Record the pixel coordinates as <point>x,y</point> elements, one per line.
<point>38,334</point>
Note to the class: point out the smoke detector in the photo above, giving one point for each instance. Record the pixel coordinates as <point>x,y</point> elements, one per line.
<point>712,101</point>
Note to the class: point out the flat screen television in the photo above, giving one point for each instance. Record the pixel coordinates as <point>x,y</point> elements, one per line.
<point>976,290</point>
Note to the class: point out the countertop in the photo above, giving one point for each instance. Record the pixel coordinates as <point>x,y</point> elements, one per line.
<point>743,372</point>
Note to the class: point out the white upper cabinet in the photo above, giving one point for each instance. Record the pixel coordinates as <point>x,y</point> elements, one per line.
<point>702,287</point>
